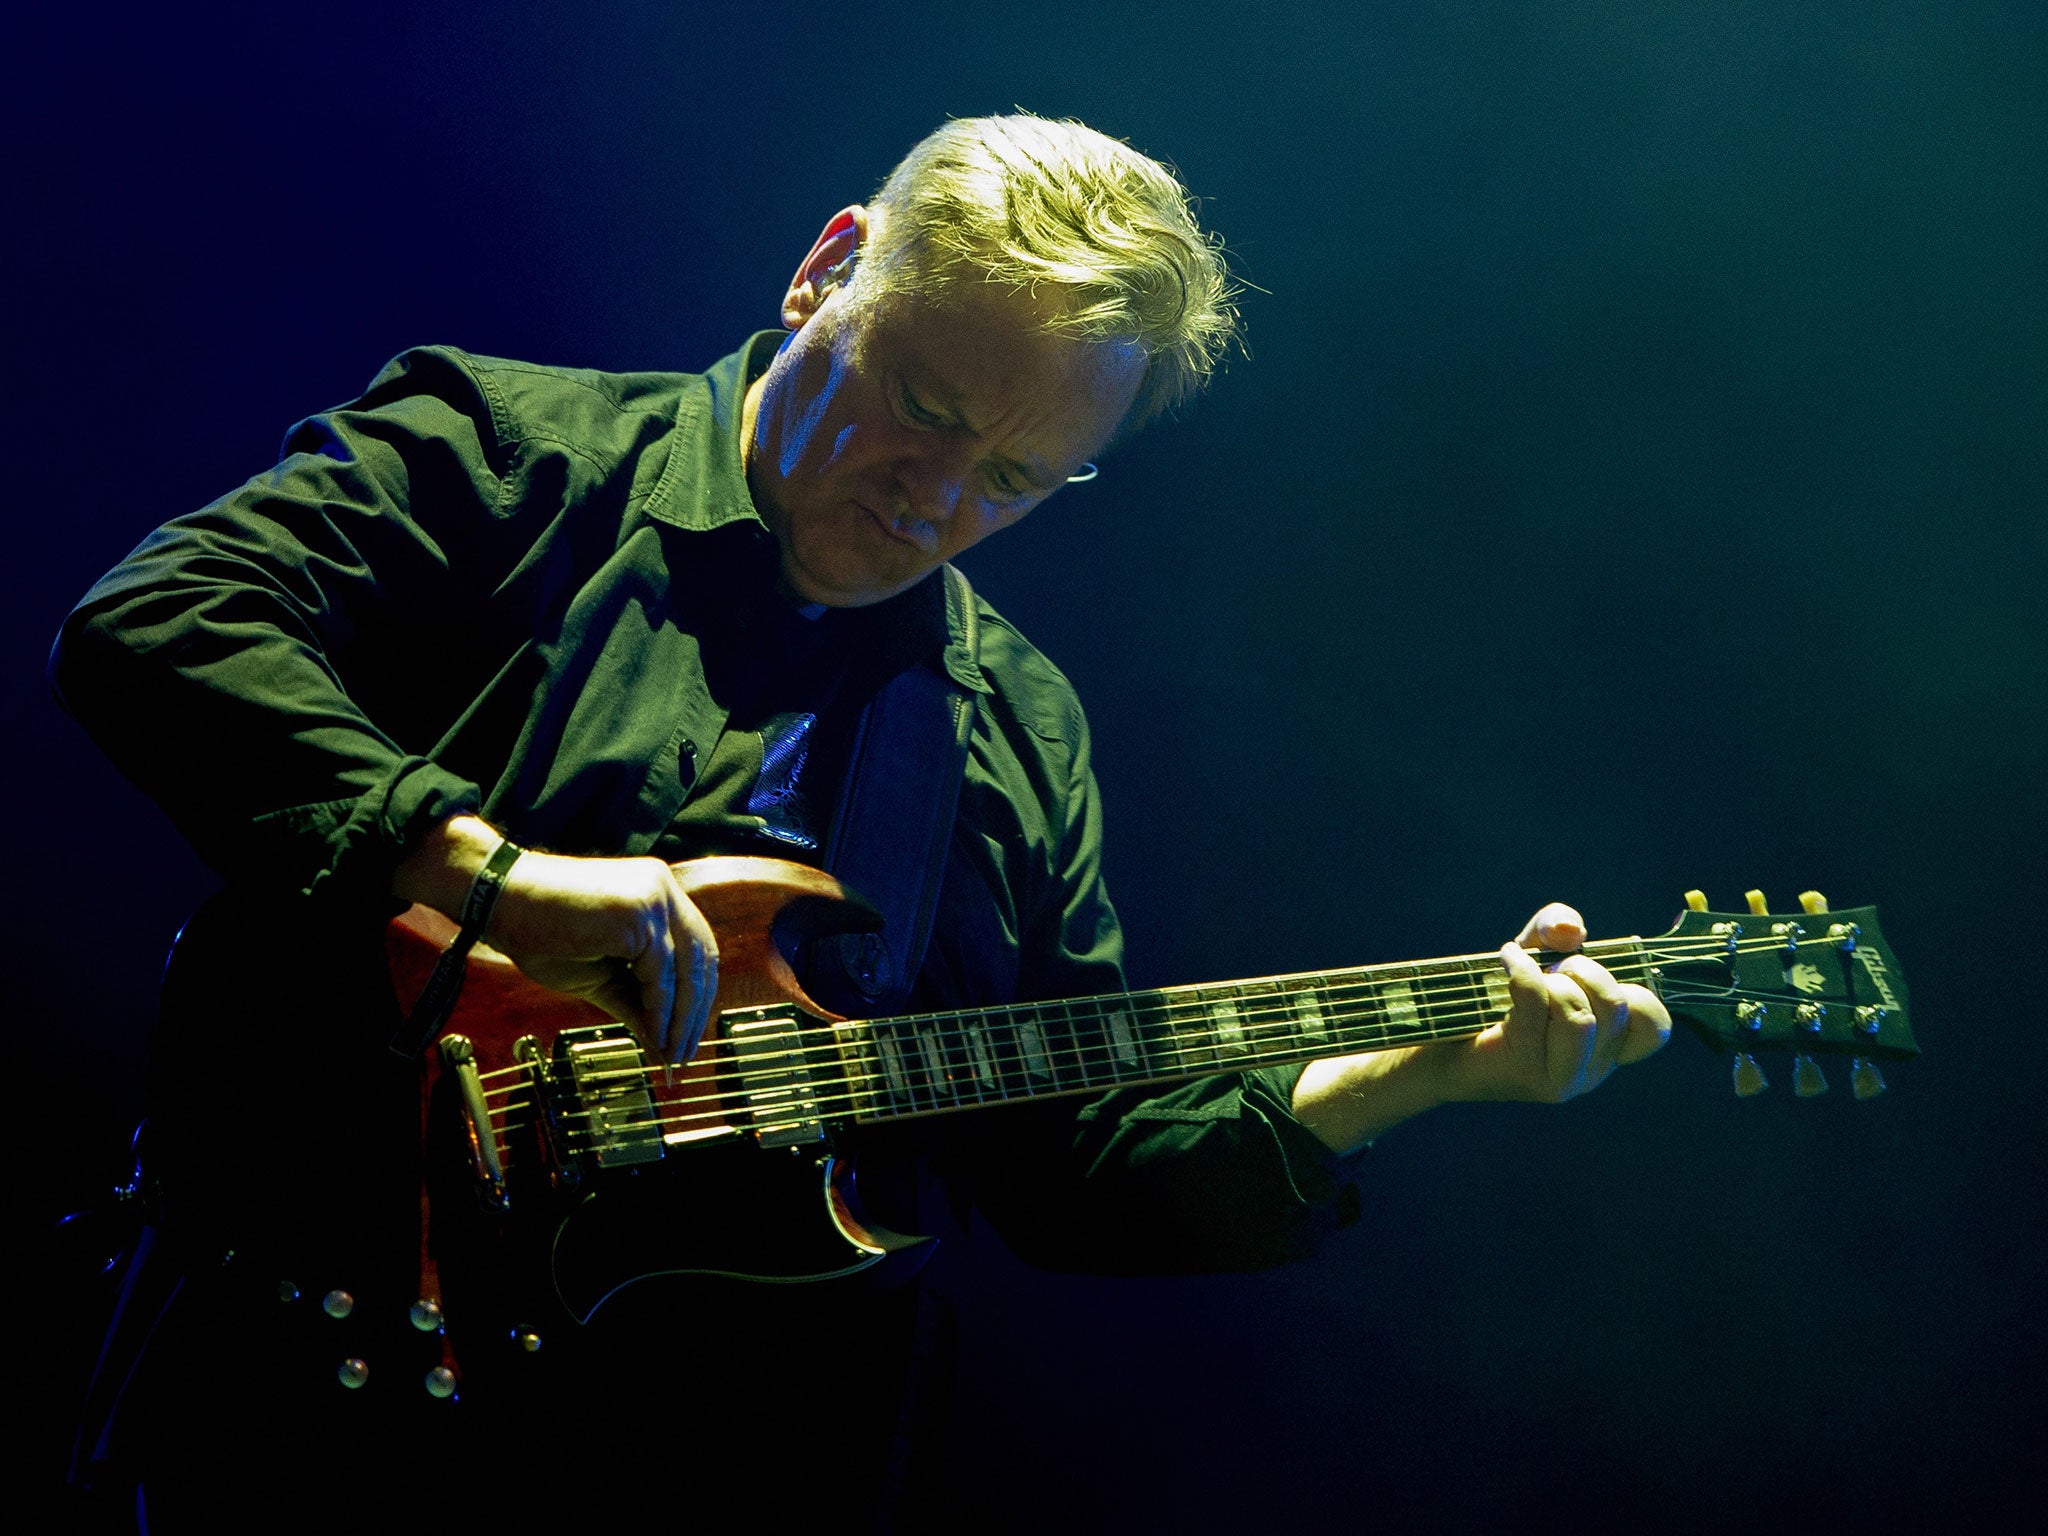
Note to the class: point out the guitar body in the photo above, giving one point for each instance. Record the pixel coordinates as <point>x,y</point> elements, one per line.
<point>564,1170</point>
<point>545,1181</point>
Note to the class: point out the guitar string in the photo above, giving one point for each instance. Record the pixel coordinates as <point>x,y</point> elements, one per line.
<point>1251,1011</point>
<point>1708,947</point>
<point>1078,1055</point>
<point>856,1085</point>
<point>832,1039</point>
<point>941,1085</point>
<point>740,1098</point>
<point>1253,1016</point>
<point>736,1102</point>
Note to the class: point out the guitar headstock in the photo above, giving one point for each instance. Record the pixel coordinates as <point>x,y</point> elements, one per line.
<point>1814,983</point>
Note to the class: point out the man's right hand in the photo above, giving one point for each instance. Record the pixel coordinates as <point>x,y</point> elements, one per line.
<point>618,933</point>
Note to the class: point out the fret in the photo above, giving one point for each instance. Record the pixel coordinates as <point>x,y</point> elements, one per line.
<point>1070,1052</point>
<point>1106,1055</point>
<point>1085,1028</point>
<point>1229,1025</point>
<point>1348,1002</point>
<point>1000,1030</point>
<point>895,1081</point>
<point>1125,1053</point>
<point>926,1086</point>
<point>1450,996</point>
<point>860,1068</point>
<point>1457,995</point>
<point>1494,978</point>
<point>1151,1026</point>
<point>1031,1047</point>
<point>1266,1018</point>
<point>981,1060</point>
<point>1311,1017</point>
<point>1467,993</point>
<point>1399,1006</point>
<point>1190,1034</point>
<point>931,1056</point>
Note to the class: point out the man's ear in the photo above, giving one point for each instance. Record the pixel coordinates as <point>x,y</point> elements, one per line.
<point>827,267</point>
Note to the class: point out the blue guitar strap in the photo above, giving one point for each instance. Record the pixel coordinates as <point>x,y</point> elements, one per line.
<point>894,823</point>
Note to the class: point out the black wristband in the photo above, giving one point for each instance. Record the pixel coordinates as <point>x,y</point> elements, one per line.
<point>444,985</point>
<point>484,892</point>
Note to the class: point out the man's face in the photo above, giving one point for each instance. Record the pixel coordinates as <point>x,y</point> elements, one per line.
<point>892,433</point>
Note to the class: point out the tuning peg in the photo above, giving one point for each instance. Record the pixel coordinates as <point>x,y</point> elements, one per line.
<point>1749,1077</point>
<point>1812,902</point>
<point>1756,901</point>
<point>1808,1081</point>
<point>1696,901</point>
<point>1865,1081</point>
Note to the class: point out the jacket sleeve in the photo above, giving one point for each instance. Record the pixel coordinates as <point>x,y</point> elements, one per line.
<point>235,666</point>
<point>1214,1174</point>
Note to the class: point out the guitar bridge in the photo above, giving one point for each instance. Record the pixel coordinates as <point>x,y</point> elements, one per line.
<point>773,1058</point>
<point>603,1100</point>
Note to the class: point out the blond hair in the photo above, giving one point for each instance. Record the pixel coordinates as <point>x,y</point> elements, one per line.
<point>1036,204</point>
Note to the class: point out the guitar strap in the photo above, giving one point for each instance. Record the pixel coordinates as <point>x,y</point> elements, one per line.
<point>894,823</point>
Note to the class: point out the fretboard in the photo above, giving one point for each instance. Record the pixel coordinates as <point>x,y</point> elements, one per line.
<point>931,1063</point>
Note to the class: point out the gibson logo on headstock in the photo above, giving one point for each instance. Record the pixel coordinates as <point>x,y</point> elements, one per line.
<point>1808,979</point>
<point>1874,964</point>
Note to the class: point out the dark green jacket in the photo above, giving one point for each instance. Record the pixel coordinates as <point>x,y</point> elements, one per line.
<point>484,586</point>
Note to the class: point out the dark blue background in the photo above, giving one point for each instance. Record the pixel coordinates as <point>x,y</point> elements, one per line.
<point>1637,482</point>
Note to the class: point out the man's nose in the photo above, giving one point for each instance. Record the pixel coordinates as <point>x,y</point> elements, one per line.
<point>932,482</point>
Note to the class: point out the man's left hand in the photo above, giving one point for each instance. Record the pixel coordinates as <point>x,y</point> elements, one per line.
<point>1565,1031</point>
<point>1567,1028</point>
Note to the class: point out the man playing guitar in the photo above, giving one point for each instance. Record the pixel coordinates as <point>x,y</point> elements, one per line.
<point>512,643</point>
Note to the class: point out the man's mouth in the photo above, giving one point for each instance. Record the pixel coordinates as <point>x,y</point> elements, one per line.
<point>902,534</point>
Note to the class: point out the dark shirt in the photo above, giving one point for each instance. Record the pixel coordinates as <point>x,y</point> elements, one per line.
<point>544,595</point>
<point>529,593</point>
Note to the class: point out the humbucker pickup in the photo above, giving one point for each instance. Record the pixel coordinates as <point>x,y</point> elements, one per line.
<point>772,1050</point>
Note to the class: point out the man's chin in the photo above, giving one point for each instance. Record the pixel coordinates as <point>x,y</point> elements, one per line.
<point>849,589</point>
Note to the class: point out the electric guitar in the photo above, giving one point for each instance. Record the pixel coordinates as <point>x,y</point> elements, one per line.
<point>564,1166</point>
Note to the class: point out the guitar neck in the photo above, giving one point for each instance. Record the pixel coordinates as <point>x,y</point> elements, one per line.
<point>934,1063</point>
